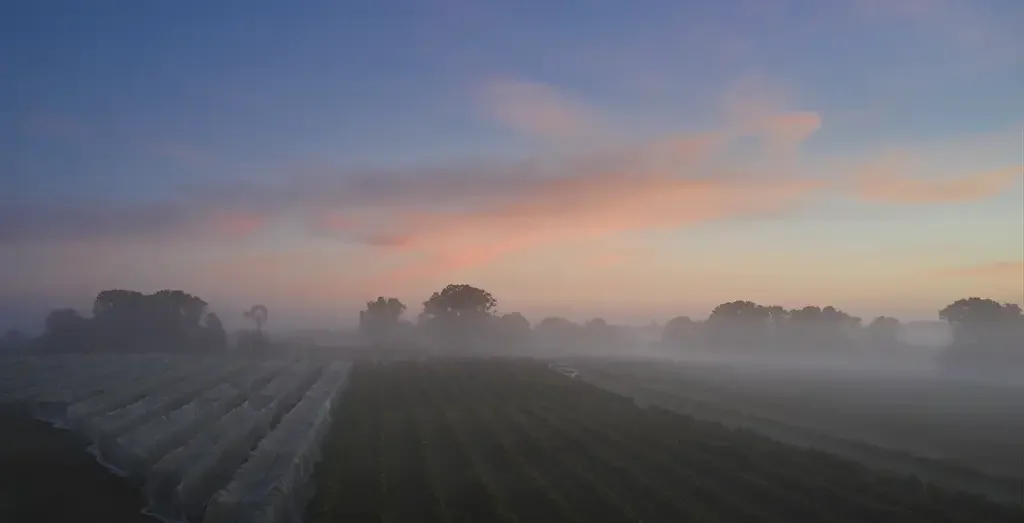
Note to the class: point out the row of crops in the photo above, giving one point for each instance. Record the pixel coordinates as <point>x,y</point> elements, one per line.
<point>506,441</point>
<point>724,400</point>
<point>211,438</point>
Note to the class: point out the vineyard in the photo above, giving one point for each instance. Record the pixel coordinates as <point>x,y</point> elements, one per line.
<point>504,441</point>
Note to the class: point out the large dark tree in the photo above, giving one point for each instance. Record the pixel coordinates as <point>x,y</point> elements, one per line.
<point>459,300</point>
<point>459,314</point>
<point>131,321</point>
<point>986,333</point>
<point>381,318</point>
<point>739,324</point>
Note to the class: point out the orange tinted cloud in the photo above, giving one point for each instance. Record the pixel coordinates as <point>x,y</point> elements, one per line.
<point>587,208</point>
<point>668,182</point>
<point>885,182</point>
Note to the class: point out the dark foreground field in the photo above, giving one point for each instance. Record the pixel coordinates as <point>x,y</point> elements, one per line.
<point>504,441</point>
<point>46,476</point>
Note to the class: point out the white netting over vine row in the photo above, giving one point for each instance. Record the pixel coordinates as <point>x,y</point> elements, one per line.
<point>214,437</point>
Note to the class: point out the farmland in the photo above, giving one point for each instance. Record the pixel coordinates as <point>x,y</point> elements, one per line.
<point>306,436</point>
<point>222,438</point>
<point>513,440</point>
<point>973,422</point>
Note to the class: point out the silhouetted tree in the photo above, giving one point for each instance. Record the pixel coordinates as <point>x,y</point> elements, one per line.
<point>985,333</point>
<point>514,329</point>
<point>459,313</point>
<point>66,330</point>
<point>258,314</point>
<point>679,332</point>
<point>126,320</point>
<point>558,334</point>
<point>884,331</point>
<point>820,327</point>
<point>380,318</point>
<point>597,334</point>
<point>739,324</point>
<point>215,335</point>
<point>14,339</point>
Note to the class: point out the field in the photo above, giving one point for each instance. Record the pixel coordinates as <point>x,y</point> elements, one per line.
<point>306,436</point>
<point>46,476</point>
<point>220,438</point>
<point>507,440</point>
<point>973,422</point>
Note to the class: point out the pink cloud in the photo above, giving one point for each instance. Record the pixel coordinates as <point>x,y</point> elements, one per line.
<point>539,110</point>
<point>237,224</point>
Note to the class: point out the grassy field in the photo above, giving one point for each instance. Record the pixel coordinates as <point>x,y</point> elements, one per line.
<point>504,440</point>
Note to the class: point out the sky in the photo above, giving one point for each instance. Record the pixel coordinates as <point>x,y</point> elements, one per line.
<point>631,160</point>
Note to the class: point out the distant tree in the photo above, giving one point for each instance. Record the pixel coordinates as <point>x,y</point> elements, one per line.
<point>460,314</point>
<point>381,317</point>
<point>598,334</point>
<point>127,320</point>
<point>14,339</point>
<point>819,327</point>
<point>558,334</point>
<point>258,315</point>
<point>739,324</point>
<point>678,332</point>
<point>979,312</point>
<point>215,335</point>
<point>65,330</point>
<point>985,332</point>
<point>740,311</point>
<point>514,329</point>
<point>459,300</point>
<point>884,331</point>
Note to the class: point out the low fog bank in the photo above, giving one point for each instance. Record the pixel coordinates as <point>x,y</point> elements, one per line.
<point>976,339</point>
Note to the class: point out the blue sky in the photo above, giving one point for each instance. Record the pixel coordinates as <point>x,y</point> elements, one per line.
<point>393,147</point>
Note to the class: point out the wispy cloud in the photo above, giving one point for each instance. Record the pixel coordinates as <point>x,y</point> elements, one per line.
<point>465,214</point>
<point>1012,270</point>
<point>963,23</point>
<point>887,181</point>
<point>539,110</point>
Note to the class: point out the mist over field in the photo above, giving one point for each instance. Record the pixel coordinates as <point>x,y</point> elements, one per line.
<point>436,261</point>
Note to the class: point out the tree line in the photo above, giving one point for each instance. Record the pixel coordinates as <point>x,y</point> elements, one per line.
<point>131,321</point>
<point>464,317</point>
